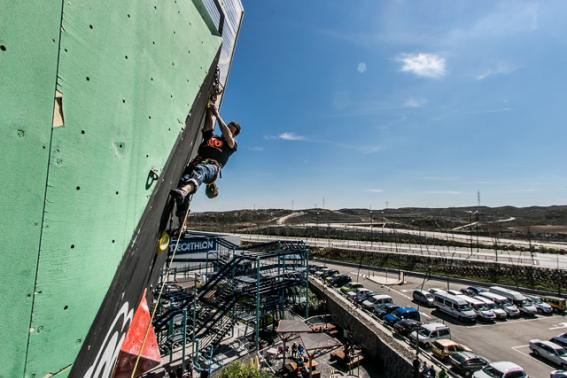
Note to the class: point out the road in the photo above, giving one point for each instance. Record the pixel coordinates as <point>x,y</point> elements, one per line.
<point>446,236</point>
<point>501,341</point>
<point>547,260</point>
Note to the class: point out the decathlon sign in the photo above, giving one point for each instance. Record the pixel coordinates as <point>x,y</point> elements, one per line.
<point>191,245</point>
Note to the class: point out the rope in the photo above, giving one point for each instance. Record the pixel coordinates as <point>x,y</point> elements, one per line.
<point>159,297</point>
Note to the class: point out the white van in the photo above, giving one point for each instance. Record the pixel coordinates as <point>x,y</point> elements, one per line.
<point>483,312</point>
<point>500,313</point>
<point>428,333</point>
<point>454,306</point>
<point>525,305</point>
<point>502,302</point>
<point>376,300</point>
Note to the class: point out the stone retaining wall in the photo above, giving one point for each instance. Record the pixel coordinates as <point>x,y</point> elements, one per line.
<point>391,356</point>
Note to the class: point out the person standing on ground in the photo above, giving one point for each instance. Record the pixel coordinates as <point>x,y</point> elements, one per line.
<point>294,350</point>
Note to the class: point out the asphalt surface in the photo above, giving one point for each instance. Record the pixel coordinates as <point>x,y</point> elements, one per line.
<point>501,341</point>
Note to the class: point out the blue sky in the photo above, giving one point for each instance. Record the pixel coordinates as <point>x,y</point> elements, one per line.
<point>414,103</point>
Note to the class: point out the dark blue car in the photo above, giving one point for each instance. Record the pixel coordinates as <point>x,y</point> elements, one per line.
<point>385,309</point>
<point>402,313</point>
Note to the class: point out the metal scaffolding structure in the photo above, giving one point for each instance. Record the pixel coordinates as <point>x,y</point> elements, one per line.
<point>252,286</point>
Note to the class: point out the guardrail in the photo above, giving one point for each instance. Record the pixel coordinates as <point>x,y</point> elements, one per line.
<point>440,277</point>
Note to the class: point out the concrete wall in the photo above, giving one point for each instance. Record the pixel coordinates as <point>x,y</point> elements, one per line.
<point>391,356</point>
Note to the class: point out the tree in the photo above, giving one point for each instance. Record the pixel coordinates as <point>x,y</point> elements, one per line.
<point>240,370</point>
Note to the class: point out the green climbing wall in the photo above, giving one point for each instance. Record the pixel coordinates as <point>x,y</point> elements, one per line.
<point>28,64</point>
<point>128,73</point>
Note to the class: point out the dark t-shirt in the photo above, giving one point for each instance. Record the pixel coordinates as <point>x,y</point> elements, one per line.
<point>215,147</point>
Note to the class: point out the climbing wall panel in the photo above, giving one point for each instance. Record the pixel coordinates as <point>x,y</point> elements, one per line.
<point>129,73</point>
<point>29,39</point>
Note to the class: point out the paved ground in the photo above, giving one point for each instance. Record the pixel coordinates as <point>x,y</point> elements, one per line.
<point>507,340</point>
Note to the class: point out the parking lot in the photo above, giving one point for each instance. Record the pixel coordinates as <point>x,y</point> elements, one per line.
<point>505,340</point>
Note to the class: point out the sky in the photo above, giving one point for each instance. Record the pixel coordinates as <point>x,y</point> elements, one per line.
<point>397,104</point>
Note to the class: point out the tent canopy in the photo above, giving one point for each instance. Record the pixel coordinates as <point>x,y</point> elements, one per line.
<point>292,326</point>
<point>316,341</point>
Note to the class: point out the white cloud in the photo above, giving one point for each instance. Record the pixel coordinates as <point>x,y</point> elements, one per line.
<point>449,192</point>
<point>361,67</point>
<point>423,64</point>
<point>290,136</point>
<point>415,102</point>
<point>375,190</point>
<point>499,69</point>
<point>286,135</point>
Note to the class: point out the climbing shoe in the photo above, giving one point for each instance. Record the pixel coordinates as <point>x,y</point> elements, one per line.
<point>212,190</point>
<point>182,199</point>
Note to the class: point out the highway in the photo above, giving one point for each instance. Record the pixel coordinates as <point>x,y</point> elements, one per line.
<point>506,340</point>
<point>446,236</point>
<point>547,260</point>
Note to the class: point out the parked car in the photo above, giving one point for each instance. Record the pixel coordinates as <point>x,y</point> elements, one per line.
<point>376,300</point>
<point>315,268</point>
<point>340,280</point>
<point>329,278</point>
<point>549,351</point>
<point>454,292</point>
<point>430,332</point>
<point>406,326</point>
<point>351,296</point>
<point>384,309</point>
<point>444,348</point>
<point>560,340</point>
<point>558,374</point>
<point>352,286</point>
<point>499,312</point>
<point>402,313</point>
<point>558,304</point>
<point>473,290</point>
<point>466,363</point>
<point>423,297</point>
<point>501,369</point>
<point>541,306</point>
<point>435,290</point>
<point>525,306</point>
<point>455,306</point>
<point>504,303</point>
<point>329,272</point>
<point>363,294</point>
<point>483,312</point>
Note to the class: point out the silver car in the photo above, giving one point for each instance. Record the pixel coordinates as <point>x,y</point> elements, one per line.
<point>541,306</point>
<point>501,369</point>
<point>549,351</point>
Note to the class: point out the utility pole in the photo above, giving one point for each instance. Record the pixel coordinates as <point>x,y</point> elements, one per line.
<point>316,222</point>
<point>477,219</point>
<point>371,228</point>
